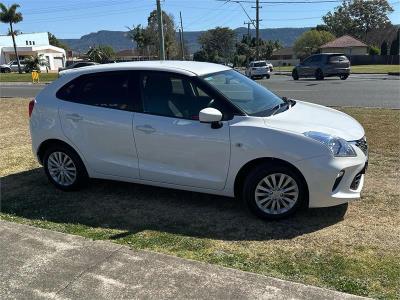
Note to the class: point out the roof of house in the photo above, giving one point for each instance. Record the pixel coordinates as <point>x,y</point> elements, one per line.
<point>284,51</point>
<point>190,68</point>
<point>344,41</point>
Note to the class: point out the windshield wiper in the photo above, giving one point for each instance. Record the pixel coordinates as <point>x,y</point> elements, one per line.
<point>286,102</point>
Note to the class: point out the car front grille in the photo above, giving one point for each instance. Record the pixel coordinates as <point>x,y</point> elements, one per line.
<point>362,144</point>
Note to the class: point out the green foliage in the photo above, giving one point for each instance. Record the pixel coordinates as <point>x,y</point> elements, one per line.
<point>10,16</point>
<point>56,42</point>
<point>33,63</point>
<point>374,50</point>
<point>147,39</point>
<point>310,41</point>
<point>101,54</point>
<point>394,47</point>
<point>384,48</point>
<point>358,18</point>
<point>218,44</point>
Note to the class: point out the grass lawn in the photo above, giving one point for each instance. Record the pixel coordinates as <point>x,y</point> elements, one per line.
<point>355,250</point>
<point>373,69</point>
<point>26,77</point>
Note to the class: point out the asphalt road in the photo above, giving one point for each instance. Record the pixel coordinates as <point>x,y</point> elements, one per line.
<point>358,90</point>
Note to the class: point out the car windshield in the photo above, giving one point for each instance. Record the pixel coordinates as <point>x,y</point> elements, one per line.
<point>249,96</point>
<point>260,64</point>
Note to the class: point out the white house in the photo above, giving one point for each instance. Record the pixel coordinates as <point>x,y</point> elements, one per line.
<point>32,44</point>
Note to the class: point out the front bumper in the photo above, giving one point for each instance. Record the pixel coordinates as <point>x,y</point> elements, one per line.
<point>321,173</point>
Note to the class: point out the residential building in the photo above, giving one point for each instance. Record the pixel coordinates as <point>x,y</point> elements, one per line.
<point>284,57</point>
<point>345,44</point>
<point>32,44</point>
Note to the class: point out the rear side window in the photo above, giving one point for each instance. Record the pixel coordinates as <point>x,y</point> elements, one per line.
<point>338,59</point>
<point>114,90</point>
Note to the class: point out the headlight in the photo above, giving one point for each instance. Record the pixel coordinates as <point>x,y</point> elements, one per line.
<point>338,146</point>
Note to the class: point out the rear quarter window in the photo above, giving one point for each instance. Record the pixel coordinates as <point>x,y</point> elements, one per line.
<point>338,59</point>
<point>115,90</point>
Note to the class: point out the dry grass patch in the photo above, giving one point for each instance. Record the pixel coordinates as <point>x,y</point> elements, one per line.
<point>355,250</point>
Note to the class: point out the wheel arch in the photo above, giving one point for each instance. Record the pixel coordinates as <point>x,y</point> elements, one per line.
<point>245,170</point>
<point>55,142</point>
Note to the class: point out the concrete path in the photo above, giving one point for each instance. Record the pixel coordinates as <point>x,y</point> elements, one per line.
<point>42,264</point>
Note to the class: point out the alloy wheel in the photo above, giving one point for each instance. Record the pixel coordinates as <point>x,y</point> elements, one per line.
<point>276,193</point>
<point>61,168</point>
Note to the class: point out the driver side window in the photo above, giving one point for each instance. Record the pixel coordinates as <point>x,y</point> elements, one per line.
<point>170,95</point>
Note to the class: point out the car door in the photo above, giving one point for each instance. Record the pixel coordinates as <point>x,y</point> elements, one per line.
<point>314,64</point>
<point>96,116</point>
<point>304,69</point>
<point>173,146</point>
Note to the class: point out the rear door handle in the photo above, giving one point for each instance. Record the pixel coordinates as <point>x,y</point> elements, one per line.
<point>146,128</point>
<point>74,117</point>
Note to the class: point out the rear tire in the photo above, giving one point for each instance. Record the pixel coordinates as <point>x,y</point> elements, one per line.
<point>274,191</point>
<point>295,75</point>
<point>267,76</point>
<point>319,75</point>
<point>344,77</point>
<point>64,168</point>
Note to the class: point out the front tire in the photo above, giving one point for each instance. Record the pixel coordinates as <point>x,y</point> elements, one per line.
<point>344,77</point>
<point>319,75</point>
<point>274,191</point>
<point>64,168</point>
<point>295,75</point>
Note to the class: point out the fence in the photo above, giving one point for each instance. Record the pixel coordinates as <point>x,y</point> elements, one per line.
<point>374,59</point>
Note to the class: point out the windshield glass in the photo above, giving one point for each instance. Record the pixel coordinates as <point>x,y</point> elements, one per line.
<point>249,96</point>
<point>260,64</point>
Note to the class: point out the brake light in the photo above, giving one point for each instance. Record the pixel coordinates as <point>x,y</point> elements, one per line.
<point>31,105</point>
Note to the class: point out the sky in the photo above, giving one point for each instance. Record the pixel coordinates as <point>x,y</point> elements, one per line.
<point>74,18</point>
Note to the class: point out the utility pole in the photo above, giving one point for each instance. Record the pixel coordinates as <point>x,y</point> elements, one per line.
<point>257,28</point>
<point>248,31</point>
<point>160,30</point>
<point>181,37</point>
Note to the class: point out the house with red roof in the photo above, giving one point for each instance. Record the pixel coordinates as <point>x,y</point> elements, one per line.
<point>345,44</point>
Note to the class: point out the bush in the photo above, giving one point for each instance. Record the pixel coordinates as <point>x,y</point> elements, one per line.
<point>373,50</point>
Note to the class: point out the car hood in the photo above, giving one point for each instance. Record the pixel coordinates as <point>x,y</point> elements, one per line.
<point>304,116</point>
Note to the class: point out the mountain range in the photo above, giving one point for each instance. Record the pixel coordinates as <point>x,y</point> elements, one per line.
<point>119,41</point>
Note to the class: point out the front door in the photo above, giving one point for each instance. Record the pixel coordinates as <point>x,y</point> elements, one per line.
<point>173,146</point>
<point>96,116</point>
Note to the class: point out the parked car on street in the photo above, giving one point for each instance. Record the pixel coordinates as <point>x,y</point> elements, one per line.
<point>12,66</point>
<point>200,127</point>
<point>76,65</point>
<point>323,65</point>
<point>258,69</point>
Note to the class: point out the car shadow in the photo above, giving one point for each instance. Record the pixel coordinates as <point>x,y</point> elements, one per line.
<point>134,208</point>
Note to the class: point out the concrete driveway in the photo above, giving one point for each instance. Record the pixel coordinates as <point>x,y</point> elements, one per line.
<point>42,264</point>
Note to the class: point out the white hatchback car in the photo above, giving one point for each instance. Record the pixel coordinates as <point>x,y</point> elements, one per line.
<point>258,69</point>
<point>200,127</point>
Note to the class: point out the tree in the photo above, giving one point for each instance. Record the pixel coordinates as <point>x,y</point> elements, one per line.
<point>219,44</point>
<point>101,54</point>
<point>33,63</point>
<point>56,42</point>
<point>374,50</point>
<point>384,48</point>
<point>10,16</point>
<point>394,47</point>
<point>310,41</point>
<point>358,17</point>
<point>146,38</point>
<point>140,36</point>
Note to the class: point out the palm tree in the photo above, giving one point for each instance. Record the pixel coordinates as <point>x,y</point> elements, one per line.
<point>34,63</point>
<point>11,16</point>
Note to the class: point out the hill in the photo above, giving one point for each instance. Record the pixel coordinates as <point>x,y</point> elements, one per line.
<point>119,41</point>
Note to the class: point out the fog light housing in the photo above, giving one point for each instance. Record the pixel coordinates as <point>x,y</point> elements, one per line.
<point>339,178</point>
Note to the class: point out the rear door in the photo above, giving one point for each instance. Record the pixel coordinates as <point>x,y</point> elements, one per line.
<point>96,114</point>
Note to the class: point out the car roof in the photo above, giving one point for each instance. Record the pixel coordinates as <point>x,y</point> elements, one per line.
<point>190,68</point>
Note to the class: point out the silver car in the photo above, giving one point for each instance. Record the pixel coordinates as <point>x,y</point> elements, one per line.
<point>258,69</point>
<point>12,66</point>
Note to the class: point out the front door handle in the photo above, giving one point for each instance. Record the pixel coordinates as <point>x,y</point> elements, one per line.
<point>74,117</point>
<point>146,128</point>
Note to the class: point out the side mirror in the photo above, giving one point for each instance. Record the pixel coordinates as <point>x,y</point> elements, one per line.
<point>212,116</point>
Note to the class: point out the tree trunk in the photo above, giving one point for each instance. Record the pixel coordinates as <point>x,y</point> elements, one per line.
<point>15,48</point>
